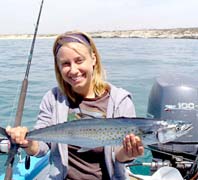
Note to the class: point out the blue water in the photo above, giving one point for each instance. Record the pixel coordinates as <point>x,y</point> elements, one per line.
<point>130,63</point>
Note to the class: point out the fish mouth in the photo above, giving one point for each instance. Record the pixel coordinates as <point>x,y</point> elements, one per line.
<point>189,127</point>
<point>185,129</point>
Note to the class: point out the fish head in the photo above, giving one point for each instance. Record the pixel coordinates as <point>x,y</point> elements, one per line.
<point>173,131</point>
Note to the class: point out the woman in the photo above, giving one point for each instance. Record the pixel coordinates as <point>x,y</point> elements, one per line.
<point>81,93</point>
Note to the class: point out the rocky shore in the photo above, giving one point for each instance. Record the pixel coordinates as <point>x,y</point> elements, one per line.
<point>177,33</point>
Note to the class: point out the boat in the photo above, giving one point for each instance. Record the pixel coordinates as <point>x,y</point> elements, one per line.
<point>37,169</point>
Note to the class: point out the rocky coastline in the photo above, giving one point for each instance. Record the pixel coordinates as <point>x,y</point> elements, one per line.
<point>176,33</point>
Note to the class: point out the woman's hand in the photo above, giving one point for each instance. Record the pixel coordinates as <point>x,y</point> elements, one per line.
<point>18,136</point>
<point>132,147</point>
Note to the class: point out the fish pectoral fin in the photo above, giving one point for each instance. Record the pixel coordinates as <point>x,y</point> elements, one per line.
<point>84,149</point>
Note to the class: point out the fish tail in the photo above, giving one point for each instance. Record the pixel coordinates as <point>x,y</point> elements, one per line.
<point>3,132</point>
<point>12,150</point>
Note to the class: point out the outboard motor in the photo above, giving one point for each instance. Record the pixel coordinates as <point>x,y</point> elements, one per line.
<point>176,98</point>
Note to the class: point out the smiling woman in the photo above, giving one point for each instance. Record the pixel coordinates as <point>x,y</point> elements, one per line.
<point>82,93</point>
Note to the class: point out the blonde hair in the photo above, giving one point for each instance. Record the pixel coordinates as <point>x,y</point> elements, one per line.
<point>99,84</point>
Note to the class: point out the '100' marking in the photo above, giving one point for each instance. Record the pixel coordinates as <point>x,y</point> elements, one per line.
<point>187,106</point>
<point>182,105</point>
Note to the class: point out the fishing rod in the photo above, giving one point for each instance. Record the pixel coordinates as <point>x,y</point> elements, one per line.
<point>14,147</point>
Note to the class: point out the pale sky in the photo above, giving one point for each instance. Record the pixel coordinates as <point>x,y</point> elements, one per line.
<point>19,16</point>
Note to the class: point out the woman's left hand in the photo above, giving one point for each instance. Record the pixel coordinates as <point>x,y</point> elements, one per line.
<point>132,147</point>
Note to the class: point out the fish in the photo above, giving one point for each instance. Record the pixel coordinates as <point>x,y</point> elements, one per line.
<point>97,132</point>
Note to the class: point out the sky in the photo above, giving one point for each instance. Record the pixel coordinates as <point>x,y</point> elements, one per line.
<point>58,16</point>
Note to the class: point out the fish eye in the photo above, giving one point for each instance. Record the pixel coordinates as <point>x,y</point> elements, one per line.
<point>177,128</point>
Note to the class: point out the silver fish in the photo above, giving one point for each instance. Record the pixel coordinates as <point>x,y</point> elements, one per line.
<point>91,133</point>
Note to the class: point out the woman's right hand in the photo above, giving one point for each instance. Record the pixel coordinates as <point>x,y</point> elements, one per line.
<point>18,136</point>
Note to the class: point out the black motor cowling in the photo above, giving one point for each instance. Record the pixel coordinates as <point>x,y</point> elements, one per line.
<point>175,98</point>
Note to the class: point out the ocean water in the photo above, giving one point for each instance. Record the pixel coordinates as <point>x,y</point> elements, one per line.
<point>129,63</point>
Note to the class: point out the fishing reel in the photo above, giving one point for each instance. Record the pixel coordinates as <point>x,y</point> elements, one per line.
<point>4,146</point>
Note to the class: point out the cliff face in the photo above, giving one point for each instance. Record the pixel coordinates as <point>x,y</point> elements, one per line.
<point>177,33</point>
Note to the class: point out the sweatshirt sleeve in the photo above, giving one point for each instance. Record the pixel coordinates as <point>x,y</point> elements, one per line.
<point>44,119</point>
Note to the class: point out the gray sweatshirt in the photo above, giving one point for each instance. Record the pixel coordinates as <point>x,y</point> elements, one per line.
<point>54,109</point>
